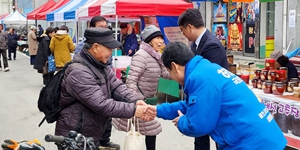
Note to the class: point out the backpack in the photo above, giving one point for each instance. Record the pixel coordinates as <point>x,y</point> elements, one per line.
<point>49,96</point>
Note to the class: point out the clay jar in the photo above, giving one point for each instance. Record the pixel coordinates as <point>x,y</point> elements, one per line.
<point>267,87</point>
<point>257,73</point>
<point>290,87</point>
<point>232,68</point>
<point>281,75</point>
<point>286,71</point>
<point>272,75</point>
<point>230,59</point>
<point>269,63</point>
<point>296,80</point>
<point>254,83</point>
<point>259,84</point>
<point>278,88</point>
<point>264,74</point>
<point>245,78</point>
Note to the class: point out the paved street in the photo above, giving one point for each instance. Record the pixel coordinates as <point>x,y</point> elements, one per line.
<point>20,116</point>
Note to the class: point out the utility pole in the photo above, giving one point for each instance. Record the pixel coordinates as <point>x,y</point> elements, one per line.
<point>14,5</point>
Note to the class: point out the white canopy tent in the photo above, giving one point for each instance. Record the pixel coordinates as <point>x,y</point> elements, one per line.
<point>17,18</point>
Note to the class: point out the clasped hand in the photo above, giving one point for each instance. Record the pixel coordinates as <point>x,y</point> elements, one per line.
<point>144,111</point>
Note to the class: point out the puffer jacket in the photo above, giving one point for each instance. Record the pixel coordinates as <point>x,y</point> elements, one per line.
<point>42,53</point>
<point>145,70</point>
<point>96,103</point>
<point>61,45</point>
<point>3,40</point>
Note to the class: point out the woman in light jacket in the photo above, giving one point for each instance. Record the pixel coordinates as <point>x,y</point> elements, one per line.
<point>145,70</point>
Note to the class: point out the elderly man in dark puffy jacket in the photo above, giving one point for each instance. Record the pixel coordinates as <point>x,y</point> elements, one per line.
<point>98,100</point>
<point>3,48</point>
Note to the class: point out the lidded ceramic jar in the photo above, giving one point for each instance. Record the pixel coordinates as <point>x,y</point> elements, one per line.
<point>278,88</point>
<point>267,87</point>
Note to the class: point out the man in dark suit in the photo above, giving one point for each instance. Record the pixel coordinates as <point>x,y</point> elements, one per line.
<point>204,44</point>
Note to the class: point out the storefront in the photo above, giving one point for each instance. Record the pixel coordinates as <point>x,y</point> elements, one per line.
<point>245,27</point>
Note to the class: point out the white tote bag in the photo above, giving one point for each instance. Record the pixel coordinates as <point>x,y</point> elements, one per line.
<point>134,140</point>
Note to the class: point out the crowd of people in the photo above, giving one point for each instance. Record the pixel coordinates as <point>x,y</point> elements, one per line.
<point>217,103</point>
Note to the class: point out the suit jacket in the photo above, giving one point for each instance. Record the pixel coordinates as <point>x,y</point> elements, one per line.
<point>212,49</point>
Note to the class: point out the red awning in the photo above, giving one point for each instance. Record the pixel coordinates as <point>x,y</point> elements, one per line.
<point>95,9</point>
<point>42,15</point>
<point>151,7</point>
<point>45,7</point>
<point>3,16</point>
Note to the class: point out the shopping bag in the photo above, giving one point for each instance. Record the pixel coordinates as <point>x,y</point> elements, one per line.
<point>51,64</point>
<point>134,140</point>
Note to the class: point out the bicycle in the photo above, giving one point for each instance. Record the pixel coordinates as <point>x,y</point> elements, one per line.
<point>75,141</point>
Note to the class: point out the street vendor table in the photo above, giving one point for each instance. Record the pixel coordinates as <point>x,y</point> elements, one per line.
<point>286,112</point>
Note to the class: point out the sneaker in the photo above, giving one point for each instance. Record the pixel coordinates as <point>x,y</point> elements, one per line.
<point>110,146</point>
<point>6,69</point>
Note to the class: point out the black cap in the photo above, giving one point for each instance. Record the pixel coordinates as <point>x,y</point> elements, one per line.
<point>123,25</point>
<point>102,36</point>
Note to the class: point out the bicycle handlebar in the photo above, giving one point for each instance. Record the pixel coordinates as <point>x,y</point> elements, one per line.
<point>54,138</point>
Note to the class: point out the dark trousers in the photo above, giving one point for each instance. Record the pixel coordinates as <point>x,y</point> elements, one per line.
<point>202,143</point>
<point>12,50</point>
<point>3,53</point>
<point>47,77</point>
<point>32,59</point>
<point>105,138</point>
<point>150,142</point>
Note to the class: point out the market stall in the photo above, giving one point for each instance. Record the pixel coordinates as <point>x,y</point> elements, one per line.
<point>42,15</point>
<point>286,112</point>
<point>66,12</point>
<point>33,15</point>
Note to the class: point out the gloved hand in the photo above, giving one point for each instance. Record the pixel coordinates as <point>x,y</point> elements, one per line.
<point>10,144</point>
<point>33,146</point>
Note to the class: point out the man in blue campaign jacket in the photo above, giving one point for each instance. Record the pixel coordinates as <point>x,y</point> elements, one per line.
<point>217,103</point>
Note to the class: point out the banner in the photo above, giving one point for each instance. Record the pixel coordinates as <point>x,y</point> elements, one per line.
<point>220,12</point>
<point>221,32</point>
<point>235,13</point>
<point>235,40</point>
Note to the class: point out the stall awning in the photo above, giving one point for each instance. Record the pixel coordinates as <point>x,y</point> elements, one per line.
<point>134,8</point>
<point>46,6</point>
<point>239,1</point>
<point>3,16</point>
<point>42,15</point>
<point>151,7</point>
<point>17,18</point>
<point>61,15</point>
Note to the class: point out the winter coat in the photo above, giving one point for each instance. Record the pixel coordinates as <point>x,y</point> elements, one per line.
<point>3,40</point>
<point>96,103</point>
<point>32,43</point>
<point>129,42</point>
<point>42,53</point>
<point>61,45</point>
<point>220,104</point>
<point>12,40</point>
<point>145,70</point>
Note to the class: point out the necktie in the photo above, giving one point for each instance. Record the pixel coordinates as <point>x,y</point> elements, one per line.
<point>194,47</point>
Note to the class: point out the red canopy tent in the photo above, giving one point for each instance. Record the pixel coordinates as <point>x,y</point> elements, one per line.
<point>3,16</point>
<point>45,7</point>
<point>42,14</point>
<point>151,7</point>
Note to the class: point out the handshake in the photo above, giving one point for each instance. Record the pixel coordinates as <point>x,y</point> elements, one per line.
<point>144,111</point>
